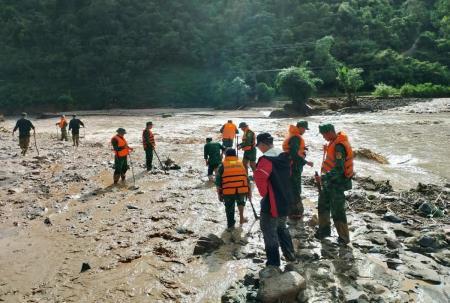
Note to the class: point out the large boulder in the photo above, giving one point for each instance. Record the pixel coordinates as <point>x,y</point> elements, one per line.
<point>281,288</point>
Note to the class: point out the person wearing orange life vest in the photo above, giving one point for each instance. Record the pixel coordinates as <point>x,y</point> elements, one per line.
<point>121,152</point>
<point>248,146</point>
<point>228,131</point>
<point>336,178</point>
<point>294,145</point>
<point>62,124</point>
<point>232,187</point>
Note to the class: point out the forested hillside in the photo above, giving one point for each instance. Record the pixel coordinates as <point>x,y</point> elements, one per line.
<point>64,54</point>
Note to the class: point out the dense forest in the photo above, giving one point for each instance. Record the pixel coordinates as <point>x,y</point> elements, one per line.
<point>64,54</point>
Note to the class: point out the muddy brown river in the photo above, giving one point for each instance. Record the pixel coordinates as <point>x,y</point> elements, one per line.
<point>139,242</point>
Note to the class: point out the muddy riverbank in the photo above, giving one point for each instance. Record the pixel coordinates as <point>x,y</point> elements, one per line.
<point>59,211</point>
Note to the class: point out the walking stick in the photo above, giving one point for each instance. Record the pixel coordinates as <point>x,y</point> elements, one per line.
<point>237,149</point>
<point>251,203</point>
<point>132,170</point>
<point>162,166</point>
<point>35,144</point>
<point>57,133</point>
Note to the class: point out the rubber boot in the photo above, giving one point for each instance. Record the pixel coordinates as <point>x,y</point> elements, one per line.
<point>116,178</point>
<point>342,230</point>
<point>123,177</point>
<point>324,227</point>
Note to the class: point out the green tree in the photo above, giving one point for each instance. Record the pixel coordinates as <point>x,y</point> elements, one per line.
<point>350,80</point>
<point>264,92</point>
<point>298,83</point>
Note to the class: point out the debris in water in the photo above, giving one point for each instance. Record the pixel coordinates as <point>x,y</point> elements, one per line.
<point>129,206</point>
<point>370,155</point>
<point>47,221</point>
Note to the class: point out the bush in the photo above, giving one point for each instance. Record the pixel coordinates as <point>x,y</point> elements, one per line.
<point>384,91</point>
<point>264,92</point>
<point>425,90</point>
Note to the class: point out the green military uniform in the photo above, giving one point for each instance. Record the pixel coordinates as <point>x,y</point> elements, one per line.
<point>332,197</point>
<point>120,163</point>
<point>230,201</point>
<point>212,152</point>
<point>296,177</point>
<point>248,139</point>
<point>148,140</point>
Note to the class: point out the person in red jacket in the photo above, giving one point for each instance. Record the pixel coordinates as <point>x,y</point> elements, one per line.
<point>272,180</point>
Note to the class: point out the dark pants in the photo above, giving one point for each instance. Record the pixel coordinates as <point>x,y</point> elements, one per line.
<point>230,207</point>
<point>296,184</point>
<point>63,134</point>
<point>75,138</point>
<point>227,142</point>
<point>211,168</point>
<point>276,235</point>
<point>149,158</point>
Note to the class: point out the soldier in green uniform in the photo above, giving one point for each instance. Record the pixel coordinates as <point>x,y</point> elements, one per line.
<point>248,146</point>
<point>294,144</point>
<point>121,152</point>
<point>335,179</point>
<point>212,152</point>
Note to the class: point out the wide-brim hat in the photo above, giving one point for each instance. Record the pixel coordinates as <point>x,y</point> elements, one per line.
<point>303,124</point>
<point>121,130</point>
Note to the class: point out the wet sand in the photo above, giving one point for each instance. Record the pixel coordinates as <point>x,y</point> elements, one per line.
<point>145,254</point>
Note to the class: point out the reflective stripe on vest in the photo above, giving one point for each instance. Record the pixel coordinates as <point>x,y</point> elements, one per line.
<point>229,131</point>
<point>121,143</point>
<point>249,147</point>
<point>294,132</point>
<point>234,177</point>
<point>330,156</point>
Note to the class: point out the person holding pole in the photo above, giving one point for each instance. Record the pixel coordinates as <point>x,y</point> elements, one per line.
<point>25,126</point>
<point>62,124</point>
<point>121,152</point>
<point>148,140</point>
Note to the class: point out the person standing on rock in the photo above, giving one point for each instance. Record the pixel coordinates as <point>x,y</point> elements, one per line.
<point>62,124</point>
<point>248,146</point>
<point>336,178</point>
<point>228,131</point>
<point>272,180</point>
<point>212,153</point>
<point>24,125</point>
<point>148,140</point>
<point>75,125</point>
<point>294,145</point>
<point>121,152</point>
<point>232,187</point>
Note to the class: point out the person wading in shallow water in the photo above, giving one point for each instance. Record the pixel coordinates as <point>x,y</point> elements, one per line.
<point>229,131</point>
<point>294,145</point>
<point>336,178</point>
<point>232,187</point>
<point>75,125</point>
<point>248,146</point>
<point>212,153</point>
<point>62,124</point>
<point>272,180</point>
<point>121,152</point>
<point>24,125</point>
<point>148,140</point>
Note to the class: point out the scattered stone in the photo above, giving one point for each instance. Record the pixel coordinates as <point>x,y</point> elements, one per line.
<point>47,221</point>
<point>429,210</point>
<point>269,271</point>
<point>166,115</point>
<point>207,244</point>
<point>129,206</point>
<point>401,231</point>
<point>85,267</point>
<point>393,263</point>
<point>282,288</point>
<point>392,243</point>
<point>391,217</point>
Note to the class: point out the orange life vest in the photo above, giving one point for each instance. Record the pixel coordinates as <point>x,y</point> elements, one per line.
<point>330,155</point>
<point>234,177</point>
<point>62,123</point>
<point>121,143</point>
<point>249,147</point>
<point>148,134</point>
<point>229,131</point>
<point>294,132</point>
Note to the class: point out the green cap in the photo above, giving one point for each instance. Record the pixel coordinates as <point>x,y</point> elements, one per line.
<point>303,124</point>
<point>121,130</point>
<point>325,128</point>
<point>209,139</point>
